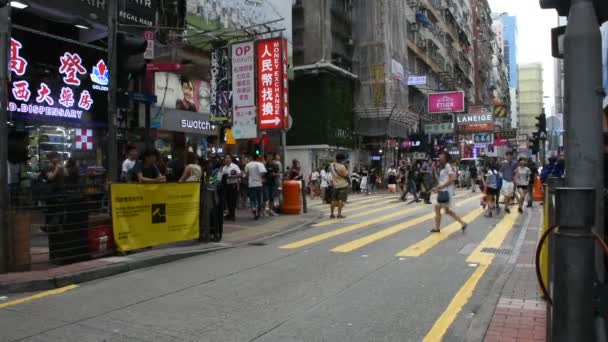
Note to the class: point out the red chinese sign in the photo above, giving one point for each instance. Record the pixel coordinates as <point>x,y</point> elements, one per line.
<point>18,63</point>
<point>272,82</point>
<point>71,66</point>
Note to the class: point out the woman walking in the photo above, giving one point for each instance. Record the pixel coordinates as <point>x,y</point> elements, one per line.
<point>490,185</point>
<point>445,192</point>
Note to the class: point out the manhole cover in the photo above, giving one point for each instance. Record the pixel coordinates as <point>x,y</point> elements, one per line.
<point>497,251</point>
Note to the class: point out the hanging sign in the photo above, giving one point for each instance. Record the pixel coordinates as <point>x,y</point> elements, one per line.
<point>272,92</point>
<point>483,138</point>
<point>243,91</point>
<point>446,102</point>
<point>221,87</point>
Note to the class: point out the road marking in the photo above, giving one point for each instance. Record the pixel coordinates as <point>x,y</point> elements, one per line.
<point>458,302</point>
<point>362,214</point>
<point>347,229</point>
<point>369,202</point>
<point>354,200</point>
<point>366,240</point>
<point>38,296</point>
<point>493,240</point>
<point>432,240</point>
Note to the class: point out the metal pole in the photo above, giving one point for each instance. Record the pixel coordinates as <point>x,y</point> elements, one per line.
<point>112,64</point>
<point>5,31</point>
<point>147,127</point>
<point>542,152</point>
<point>573,312</point>
<point>283,149</point>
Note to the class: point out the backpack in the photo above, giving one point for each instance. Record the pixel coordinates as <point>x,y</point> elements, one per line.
<point>498,181</point>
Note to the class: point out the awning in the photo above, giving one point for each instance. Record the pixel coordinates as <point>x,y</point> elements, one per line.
<point>394,122</point>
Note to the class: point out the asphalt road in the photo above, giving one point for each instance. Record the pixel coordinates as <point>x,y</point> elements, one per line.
<point>379,275</point>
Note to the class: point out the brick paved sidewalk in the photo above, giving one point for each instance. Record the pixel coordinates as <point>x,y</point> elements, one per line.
<point>520,315</point>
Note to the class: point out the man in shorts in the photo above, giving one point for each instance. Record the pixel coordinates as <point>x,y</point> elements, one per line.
<point>339,175</point>
<point>522,180</point>
<point>507,170</point>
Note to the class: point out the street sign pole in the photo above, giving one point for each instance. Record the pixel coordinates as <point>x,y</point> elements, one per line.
<point>579,205</point>
<point>112,66</point>
<point>4,195</point>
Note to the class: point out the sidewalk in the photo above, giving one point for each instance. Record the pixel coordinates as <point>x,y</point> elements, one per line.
<point>245,230</point>
<point>520,315</point>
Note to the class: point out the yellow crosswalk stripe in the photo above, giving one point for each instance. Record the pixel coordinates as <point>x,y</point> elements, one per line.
<point>431,241</point>
<point>492,240</point>
<point>366,240</point>
<point>347,229</point>
<point>349,207</point>
<point>363,214</point>
<point>352,200</point>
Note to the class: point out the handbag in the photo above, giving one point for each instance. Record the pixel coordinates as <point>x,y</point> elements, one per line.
<point>443,197</point>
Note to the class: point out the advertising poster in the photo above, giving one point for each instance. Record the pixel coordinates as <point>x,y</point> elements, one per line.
<point>147,215</point>
<point>244,124</point>
<point>180,93</point>
<point>271,92</point>
<point>67,84</point>
<point>220,83</point>
<point>446,102</point>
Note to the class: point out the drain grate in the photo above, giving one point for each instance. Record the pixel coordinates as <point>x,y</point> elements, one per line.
<point>259,243</point>
<point>497,251</point>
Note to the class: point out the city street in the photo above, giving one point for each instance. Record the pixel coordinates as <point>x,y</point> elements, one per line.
<point>378,275</point>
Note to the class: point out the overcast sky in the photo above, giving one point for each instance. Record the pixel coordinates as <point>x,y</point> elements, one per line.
<point>534,37</point>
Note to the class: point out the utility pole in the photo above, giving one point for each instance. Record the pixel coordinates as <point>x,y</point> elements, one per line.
<point>112,65</point>
<point>579,205</point>
<point>5,33</point>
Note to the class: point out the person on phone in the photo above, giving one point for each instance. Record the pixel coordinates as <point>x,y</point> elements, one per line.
<point>445,192</point>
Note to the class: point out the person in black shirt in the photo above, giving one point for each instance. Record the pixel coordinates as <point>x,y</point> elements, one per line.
<point>146,169</point>
<point>473,176</point>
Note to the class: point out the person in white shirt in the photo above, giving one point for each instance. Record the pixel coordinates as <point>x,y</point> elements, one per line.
<point>445,192</point>
<point>255,170</point>
<point>314,185</point>
<point>231,177</point>
<point>129,163</point>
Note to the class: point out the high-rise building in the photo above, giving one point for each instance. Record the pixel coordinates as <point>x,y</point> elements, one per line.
<point>505,28</point>
<point>530,96</point>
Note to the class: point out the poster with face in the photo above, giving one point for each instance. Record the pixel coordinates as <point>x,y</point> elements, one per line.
<point>179,92</point>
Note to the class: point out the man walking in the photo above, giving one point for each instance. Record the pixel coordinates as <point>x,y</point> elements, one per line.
<point>255,170</point>
<point>232,175</point>
<point>507,171</point>
<point>473,176</point>
<point>339,175</point>
<point>128,164</point>
<point>445,192</point>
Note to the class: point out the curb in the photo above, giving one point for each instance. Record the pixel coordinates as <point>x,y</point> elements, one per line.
<point>49,283</point>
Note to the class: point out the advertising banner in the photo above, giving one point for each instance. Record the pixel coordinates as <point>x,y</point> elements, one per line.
<point>243,91</point>
<point>483,138</point>
<point>67,84</point>
<point>474,119</point>
<point>147,215</point>
<point>271,90</point>
<point>416,80</point>
<point>446,102</point>
<point>221,87</point>
<point>441,128</point>
<point>483,127</point>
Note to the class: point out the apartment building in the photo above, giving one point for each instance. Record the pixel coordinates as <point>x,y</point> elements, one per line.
<point>531,96</point>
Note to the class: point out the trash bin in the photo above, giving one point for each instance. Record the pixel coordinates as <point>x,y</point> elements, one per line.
<point>292,197</point>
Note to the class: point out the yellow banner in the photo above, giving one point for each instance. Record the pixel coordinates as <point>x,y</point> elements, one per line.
<point>146,215</point>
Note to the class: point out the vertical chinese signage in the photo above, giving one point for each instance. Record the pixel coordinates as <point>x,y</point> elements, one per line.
<point>243,91</point>
<point>272,91</point>
<point>221,88</point>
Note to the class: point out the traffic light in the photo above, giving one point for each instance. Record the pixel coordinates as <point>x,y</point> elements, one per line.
<point>534,143</point>
<point>563,8</point>
<point>130,51</point>
<point>541,123</point>
<point>257,150</point>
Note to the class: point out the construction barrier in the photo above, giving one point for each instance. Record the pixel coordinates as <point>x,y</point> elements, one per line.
<point>292,201</point>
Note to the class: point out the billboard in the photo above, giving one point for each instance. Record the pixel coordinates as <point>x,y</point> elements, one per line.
<point>446,102</point>
<point>220,83</point>
<point>272,92</point>
<point>67,84</point>
<point>244,124</point>
<point>178,93</point>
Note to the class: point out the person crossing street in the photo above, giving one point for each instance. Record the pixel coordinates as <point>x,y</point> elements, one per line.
<point>445,192</point>
<point>339,175</point>
<point>231,176</point>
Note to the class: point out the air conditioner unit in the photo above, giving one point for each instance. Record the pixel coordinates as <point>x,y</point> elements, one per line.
<point>350,41</point>
<point>414,27</point>
<point>421,44</point>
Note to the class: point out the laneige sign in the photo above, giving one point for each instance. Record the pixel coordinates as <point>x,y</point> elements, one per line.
<point>471,119</point>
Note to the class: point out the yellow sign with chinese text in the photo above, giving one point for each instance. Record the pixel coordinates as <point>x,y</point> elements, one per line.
<point>147,215</point>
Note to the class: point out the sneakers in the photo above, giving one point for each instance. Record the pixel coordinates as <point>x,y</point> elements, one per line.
<point>507,210</point>
<point>520,210</point>
<point>332,216</point>
<point>341,217</point>
<point>271,213</point>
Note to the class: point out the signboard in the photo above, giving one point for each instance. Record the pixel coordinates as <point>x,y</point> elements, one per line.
<point>506,135</point>
<point>446,102</point>
<point>142,97</point>
<point>397,73</point>
<point>441,128</point>
<point>243,91</point>
<point>410,143</point>
<point>221,86</point>
<point>483,138</point>
<point>66,84</point>
<point>271,88</point>
<point>416,80</point>
<point>149,37</point>
<point>484,127</point>
<point>474,119</point>
<point>147,215</point>
<point>182,121</point>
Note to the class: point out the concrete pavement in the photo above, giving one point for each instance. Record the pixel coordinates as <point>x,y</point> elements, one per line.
<point>378,275</point>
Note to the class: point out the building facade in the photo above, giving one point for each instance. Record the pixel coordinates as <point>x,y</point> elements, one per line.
<point>530,96</point>
<point>505,28</point>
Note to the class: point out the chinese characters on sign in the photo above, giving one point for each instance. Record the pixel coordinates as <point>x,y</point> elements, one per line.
<point>272,84</point>
<point>65,91</point>
<point>243,91</point>
<point>221,95</point>
<point>483,138</point>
